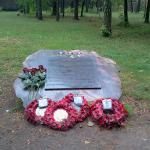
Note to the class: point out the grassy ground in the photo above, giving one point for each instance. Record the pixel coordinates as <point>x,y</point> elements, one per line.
<point>129,47</point>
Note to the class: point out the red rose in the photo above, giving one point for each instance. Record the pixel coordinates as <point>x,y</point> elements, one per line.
<point>33,71</point>
<point>41,67</point>
<point>25,70</point>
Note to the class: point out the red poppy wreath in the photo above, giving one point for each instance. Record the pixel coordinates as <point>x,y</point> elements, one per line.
<point>34,114</point>
<point>114,118</point>
<point>60,116</point>
<point>81,103</point>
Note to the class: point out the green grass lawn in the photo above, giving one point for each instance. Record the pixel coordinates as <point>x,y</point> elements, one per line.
<point>129,47</point>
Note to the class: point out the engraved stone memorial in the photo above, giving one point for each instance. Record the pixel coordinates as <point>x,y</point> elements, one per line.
<point>79,72</point>
<point>72,73</point>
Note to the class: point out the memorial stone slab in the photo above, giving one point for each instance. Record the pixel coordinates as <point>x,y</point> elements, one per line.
<point>88,75</point>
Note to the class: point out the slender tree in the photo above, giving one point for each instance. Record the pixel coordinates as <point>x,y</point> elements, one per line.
<point>145,7</point>
<point>82,7</point>
<point>126,21</point>
<point>72,3</point>
<point>99,5</point>
<point>138,6</point>
<point>107,14</point>
<point>131,4</point>
<point>39,9</point>
<point>63,8</point>
<point>58,13</point>
<point>54,7</point>
<point>36,9</point>
<point>27,7</point>
<point>147,12</point>
<point>76,17</point>
<point>87,5</point>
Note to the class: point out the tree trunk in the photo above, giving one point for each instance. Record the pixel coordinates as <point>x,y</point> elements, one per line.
<point>63,8</point>
<point>126,12</point>
<point>107,14</point>
<point>87,5</point>
<point>101,3</point>
<point>72,4</point>
<point>145,7</point>
<point>97,5</point>
<point>36,9</point>
<point>82,8</point>
<point>92,5</point>
<point>131,3</point>
<point>147,12</point>
<point>76,17</point>
<point>27,8</point>
<point>54,9</point>
<point>138,6</point>
<point>58,13</point>
<point>39,8</point>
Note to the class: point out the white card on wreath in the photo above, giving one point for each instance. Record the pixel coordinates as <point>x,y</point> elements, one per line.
<point>107,104</point>
<point>40,112</point>
<point>43,102</point>
<point>78,100</point>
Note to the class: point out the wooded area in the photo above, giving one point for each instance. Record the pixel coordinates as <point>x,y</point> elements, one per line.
<point>59,8</point>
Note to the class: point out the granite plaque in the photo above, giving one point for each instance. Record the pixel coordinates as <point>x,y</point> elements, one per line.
<point>67,73</point>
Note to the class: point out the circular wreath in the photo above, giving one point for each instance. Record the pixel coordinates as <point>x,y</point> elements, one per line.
<point>30,112</point>
<point>115,118</point>
<point>67,123</point>
<point>84,111</point>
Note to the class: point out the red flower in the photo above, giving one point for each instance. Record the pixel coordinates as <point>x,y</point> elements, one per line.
<point>41,67</point>
<point>33,71</point>
<point>25,70</point>
<point>84,111</point>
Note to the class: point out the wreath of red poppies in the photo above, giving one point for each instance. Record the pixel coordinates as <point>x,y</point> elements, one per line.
<point>65,124</point>
<point>74,116</point>
<point>84,111</point>
<point>30,112</point>
<point>116,118</point>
